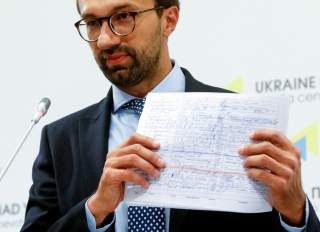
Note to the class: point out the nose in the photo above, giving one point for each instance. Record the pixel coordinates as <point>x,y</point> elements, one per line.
<point>107,38</point>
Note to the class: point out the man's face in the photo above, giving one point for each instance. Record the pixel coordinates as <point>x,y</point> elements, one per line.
<point>126,61</point>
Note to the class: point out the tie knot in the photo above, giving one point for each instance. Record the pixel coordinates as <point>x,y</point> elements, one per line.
<point>135,105</point>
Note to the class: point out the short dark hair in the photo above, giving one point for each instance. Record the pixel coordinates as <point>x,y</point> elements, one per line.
<point>164,3</point>
<point>167,3</point>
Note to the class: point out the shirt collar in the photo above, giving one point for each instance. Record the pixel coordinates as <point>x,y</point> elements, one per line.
<point>173,82</point>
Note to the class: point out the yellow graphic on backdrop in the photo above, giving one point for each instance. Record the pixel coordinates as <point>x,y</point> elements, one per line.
<point>236,85</point>
<point>307,140</point>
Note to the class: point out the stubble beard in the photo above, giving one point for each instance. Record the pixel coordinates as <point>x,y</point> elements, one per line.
<point>144,63</point>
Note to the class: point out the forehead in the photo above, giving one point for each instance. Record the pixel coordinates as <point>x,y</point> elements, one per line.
<point>104,7</point>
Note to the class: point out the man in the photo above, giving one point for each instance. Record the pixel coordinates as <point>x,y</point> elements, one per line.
<point>86,158</point>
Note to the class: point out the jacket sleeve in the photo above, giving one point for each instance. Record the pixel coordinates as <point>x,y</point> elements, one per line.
<point>43,211</point>
<point>313,224</point>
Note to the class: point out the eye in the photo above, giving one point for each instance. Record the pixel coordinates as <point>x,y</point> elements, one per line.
<point>122,17</point>
<point>91,23</point>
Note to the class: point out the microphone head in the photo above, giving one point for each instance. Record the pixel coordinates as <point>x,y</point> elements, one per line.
<point>43,107</point>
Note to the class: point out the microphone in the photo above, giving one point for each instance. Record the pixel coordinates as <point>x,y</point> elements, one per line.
<point>43,107</point>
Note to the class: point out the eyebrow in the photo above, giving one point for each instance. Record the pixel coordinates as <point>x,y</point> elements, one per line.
<point>115,9</point>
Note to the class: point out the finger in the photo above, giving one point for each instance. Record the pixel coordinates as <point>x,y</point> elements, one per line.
<point>143,140</point>
<point>267,178</point>
<point>143,152</point>
<point>266,162</point>
<point>134,161</point>
<point>127,175</point>
<point>275,137</point>
<point>269,149</point>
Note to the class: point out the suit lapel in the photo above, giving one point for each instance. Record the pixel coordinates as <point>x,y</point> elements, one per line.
<point>192,85</point>
<point>93,142</point>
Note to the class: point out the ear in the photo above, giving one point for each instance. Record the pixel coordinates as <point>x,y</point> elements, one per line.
<point>170,19</point>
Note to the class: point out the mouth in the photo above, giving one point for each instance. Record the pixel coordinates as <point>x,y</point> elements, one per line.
<point>116,59</point>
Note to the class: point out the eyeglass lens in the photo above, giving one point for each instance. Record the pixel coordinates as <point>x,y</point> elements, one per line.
<point>121,24</point>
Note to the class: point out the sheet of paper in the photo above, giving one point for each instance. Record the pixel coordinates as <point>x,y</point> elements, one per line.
<point>200,134</point>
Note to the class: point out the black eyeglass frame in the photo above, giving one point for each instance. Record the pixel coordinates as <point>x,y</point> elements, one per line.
<point>133,14</point>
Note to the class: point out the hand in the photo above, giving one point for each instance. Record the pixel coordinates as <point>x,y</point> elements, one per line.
<point>136,152</point>
<point>275,161</point>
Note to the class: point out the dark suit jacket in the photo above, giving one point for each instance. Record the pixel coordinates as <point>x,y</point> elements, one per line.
<point>69,165</point>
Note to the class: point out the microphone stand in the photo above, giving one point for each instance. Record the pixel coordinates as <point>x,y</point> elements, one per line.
<point>4,171</point>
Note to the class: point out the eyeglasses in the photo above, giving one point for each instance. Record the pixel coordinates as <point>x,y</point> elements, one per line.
<point>120,23</point>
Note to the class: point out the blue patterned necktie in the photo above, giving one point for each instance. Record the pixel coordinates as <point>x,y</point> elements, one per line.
<point>135,105</point>
<point>141,218</point>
